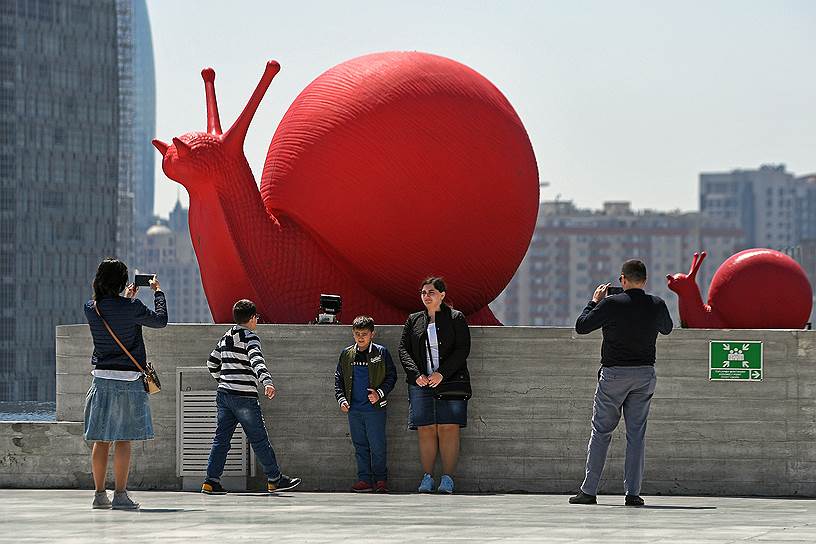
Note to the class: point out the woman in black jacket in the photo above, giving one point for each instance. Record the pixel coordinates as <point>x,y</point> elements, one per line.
<point>116,408</point>
<point>433,351</point>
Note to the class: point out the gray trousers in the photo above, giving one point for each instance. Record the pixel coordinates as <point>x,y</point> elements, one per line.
<point>629,388</point>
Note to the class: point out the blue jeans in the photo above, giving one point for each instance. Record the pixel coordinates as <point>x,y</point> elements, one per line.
<point>629,388</point>
<point>368,437</point>
<point>232,410</point>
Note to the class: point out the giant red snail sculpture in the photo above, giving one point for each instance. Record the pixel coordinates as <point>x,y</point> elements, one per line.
<point>386,168</point>
<point>753,289</point>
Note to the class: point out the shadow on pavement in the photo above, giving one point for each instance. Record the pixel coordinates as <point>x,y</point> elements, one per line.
<point>168,510</point>
<point>663,507</point>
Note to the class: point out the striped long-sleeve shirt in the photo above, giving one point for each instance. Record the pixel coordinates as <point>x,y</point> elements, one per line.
<point>237,363</point>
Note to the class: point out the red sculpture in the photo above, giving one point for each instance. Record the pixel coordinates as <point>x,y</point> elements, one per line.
<point>386,168</point>
<point>754,289</point>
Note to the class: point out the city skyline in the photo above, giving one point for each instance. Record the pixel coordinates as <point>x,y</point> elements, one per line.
<point>60,197</point>
<point>624,102</point>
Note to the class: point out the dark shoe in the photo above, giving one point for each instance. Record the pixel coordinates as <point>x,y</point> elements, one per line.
<point>283,483</point>
<point>381,487</point>
<point>583,498</point>
<point>101,501</point>
<point>634,500</point>
<point>122,501</point>
<point>362,486</point>
<point>212,488</point>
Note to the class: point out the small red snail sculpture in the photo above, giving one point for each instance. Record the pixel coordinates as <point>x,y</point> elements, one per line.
<point>385,169</point>
<point>754,289</point>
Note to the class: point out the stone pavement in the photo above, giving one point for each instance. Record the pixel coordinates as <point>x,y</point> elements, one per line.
<point>65,516</point>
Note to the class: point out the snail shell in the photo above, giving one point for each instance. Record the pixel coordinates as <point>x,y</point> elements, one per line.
<point>761,288</point>
<point>404,164</point>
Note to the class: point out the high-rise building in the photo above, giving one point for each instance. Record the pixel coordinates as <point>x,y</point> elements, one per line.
<point>805,210</point>
<point>59,167</point>
<point>167,251</point>
<point>137,116</point>
<point>144,119</point>
<point>574,250</point>
<point>764,202</point>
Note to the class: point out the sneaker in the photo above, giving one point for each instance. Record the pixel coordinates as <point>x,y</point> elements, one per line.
<point>583,498</point>
<point>101,500</point>
<point>445,485</point>
<point>210,487</point>
<point>426,485</point>
<point>283,483</point>
<point>634,500</point>
<point>381,487</point>
<point>362,486</point>
<point>122,501</point>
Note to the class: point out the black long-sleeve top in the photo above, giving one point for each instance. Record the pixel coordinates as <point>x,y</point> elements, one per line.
<point>126,316</point>
<point>630,322</point>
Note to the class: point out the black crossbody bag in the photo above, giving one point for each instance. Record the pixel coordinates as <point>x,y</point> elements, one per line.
<point>457,387</point>
<point>150,378</point>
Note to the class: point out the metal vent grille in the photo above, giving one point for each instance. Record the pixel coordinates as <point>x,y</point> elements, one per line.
<point>196,428</point>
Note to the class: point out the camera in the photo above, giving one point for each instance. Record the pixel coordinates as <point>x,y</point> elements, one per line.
<point>330,306</point>
<point>142,280</point>
<point>612,290</point>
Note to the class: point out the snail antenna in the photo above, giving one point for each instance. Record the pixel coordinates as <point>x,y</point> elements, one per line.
<point>697,263</point>
<point>182,149</point>
<point>161,146</point>
<point>213,120</point>
<point>236,134</point>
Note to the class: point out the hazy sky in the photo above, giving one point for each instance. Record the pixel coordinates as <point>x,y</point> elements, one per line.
<point>622,100</point>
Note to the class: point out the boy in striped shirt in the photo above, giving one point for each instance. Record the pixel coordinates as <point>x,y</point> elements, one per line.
<point>238,365</point>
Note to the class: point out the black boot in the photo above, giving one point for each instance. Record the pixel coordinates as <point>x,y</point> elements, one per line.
<point>634,500</point>
<point>583,498</point>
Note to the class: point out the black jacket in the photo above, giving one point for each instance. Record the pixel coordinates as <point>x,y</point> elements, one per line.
<point>126,317</point>
<point>453,336</point>
<point>630,322</point>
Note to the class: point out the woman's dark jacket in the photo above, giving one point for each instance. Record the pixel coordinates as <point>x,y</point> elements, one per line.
<point>126,317</point>
<point>453,336</point>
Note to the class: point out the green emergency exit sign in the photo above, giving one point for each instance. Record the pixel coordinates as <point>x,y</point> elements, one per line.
<point>735,360</point>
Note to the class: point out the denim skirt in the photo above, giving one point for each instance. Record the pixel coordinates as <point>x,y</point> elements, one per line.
<point>425,409</point>
<point>117,410</point>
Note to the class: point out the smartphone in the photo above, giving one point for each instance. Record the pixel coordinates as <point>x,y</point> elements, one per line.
<point>612,290</point>
<point>142,280</point>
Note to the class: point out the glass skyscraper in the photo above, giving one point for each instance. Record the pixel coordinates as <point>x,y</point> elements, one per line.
<point>63,199</point>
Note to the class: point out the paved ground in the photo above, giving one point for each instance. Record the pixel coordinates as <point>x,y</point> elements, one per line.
<point>65,516</point>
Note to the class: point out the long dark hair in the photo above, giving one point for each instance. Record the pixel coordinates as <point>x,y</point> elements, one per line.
<point>111,278</point>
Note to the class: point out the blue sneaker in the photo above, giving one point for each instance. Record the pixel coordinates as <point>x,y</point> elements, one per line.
<point>426,485</point>
<point>445,485</point>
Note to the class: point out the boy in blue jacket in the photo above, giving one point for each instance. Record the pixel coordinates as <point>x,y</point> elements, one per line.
<point>364,377</point>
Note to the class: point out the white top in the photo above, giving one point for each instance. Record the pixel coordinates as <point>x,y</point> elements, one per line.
<point>121,375</point>
<point>433,356</point>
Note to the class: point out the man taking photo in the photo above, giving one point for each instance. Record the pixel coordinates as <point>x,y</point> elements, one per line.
<point>626,381</point>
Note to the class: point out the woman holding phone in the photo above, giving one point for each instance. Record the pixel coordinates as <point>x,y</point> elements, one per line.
<point>116,409</point>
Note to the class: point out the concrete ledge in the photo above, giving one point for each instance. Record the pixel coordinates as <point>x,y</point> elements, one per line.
<point>528,421</point>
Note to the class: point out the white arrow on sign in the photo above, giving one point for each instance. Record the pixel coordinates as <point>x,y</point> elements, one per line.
<point>745,364</point>
<point>726,364</point>
<point>755,374</point>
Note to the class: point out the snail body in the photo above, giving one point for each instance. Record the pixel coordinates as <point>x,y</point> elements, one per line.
<point>385,169</point>
<point>753,289</point>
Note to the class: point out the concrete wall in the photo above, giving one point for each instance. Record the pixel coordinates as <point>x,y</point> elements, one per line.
<point>528,421</point>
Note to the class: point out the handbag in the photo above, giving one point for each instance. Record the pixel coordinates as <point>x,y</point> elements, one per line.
<point>457,387</point>
<point>150,378</point>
